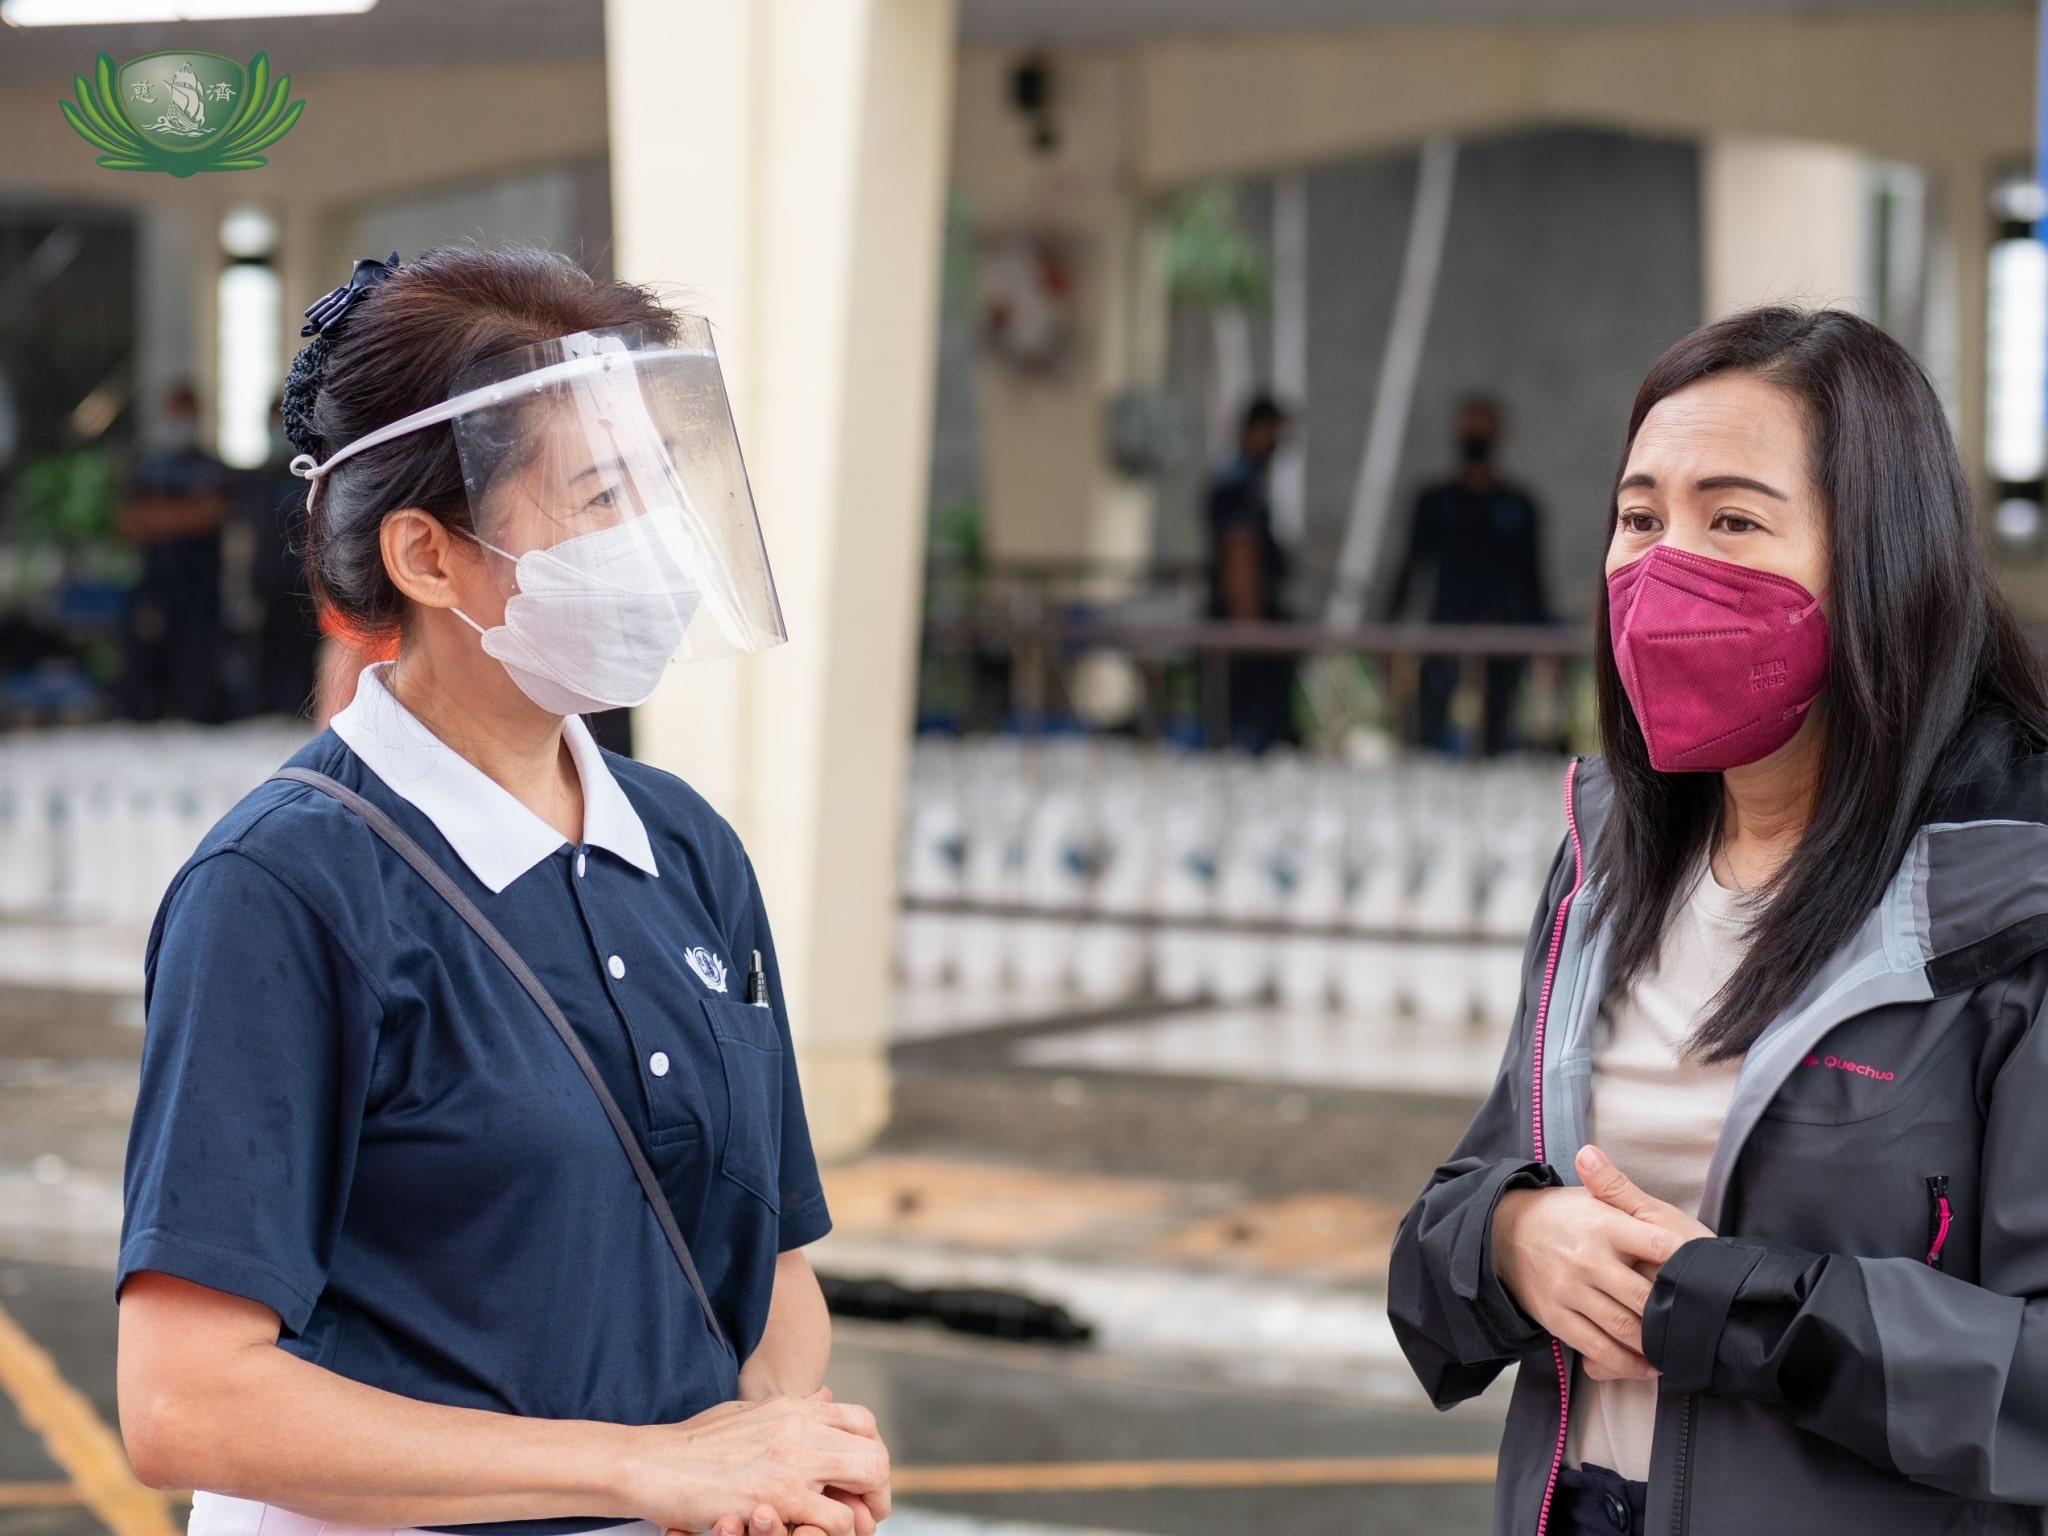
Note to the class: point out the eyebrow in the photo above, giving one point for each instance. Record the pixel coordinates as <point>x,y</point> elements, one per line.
<point>1642,482</point>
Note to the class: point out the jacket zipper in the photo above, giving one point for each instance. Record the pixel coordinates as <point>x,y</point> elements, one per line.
<point>1939,1218</point>
<point>1564,907</point>
<point>1681,1491</point>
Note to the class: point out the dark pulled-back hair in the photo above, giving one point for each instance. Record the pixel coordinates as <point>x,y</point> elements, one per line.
<point>400,349</point>
<point>1920,642</point>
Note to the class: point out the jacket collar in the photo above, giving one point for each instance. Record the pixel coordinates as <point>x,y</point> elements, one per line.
<point>490,831</point>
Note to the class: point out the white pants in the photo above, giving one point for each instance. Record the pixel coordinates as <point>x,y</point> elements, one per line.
<point>215,1514</point>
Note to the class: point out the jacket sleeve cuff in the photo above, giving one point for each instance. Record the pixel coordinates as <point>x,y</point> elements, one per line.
<point>1473,1277</point>
<point>1686,1326</point>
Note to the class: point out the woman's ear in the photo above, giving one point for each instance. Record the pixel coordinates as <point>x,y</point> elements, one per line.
<point>421,556</point>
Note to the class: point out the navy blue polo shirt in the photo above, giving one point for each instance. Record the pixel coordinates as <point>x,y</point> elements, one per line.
<point>352,1113</point>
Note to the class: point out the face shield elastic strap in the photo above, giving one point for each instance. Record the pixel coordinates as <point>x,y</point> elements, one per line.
<point>310,470</point>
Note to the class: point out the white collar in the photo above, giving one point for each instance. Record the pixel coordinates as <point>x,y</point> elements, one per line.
<point>497,837</point>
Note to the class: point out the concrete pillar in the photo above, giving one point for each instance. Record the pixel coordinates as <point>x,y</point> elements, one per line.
<point>1049,490</point>
<point>779,167</point>
<point>1965,190</point>
<point>1783,220</point>
<point>1290,352</point>
<point>302,271</point>
<point>174,304</point>
<point>1130,354</point>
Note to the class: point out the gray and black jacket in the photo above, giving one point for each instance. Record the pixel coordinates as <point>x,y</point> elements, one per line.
<point>1864,1348</point>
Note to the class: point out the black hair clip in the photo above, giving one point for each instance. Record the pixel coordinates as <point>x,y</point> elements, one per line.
<point>327,312</point>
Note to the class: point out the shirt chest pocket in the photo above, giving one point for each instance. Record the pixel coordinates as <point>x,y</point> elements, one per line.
<point>750,1057</point>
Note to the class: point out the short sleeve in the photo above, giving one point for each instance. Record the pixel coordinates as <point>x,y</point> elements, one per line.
<point>804,1217</point>
<point>256,1063</point>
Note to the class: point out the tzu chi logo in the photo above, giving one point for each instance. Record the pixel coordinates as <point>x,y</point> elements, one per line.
<point>709,968</point>
<point>182,112</point>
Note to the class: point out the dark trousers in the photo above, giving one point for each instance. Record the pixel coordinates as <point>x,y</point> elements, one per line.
<point>1592,1501</point>
<point>172,667</point>
<point>173,661</point>
<point>1262,702</point>
<point>1439,682</point>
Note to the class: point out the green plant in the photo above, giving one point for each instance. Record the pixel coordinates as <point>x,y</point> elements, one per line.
<point>1209,262</point>
<point>960,266</point>
<point>66,501</point>
<point>956,532</point>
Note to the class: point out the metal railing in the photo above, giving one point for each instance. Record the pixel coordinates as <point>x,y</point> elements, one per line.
<point>1030,651</point>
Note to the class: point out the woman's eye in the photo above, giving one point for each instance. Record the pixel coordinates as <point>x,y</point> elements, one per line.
<point>1735,522</point>
<point>1638,522</point>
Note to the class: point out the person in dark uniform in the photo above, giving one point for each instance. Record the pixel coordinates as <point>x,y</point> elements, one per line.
<point>470,1176</point>
<point>1248,577</point>
<point>1473,548</point>
<point>271,503</point>
<point>175,509</point>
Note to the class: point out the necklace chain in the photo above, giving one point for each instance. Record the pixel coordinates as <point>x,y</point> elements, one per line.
<point>1721,852</point>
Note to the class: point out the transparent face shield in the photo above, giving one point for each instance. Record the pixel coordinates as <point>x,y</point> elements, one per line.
<point>605,475</point>
<point>609,475</point>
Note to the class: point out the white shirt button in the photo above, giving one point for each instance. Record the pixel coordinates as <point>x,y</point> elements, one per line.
<point>582,864</point>
<point>617,967</point>
<point>658,1063</point>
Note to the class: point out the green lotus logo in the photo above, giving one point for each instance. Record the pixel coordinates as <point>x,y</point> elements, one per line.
<point>182,112</point>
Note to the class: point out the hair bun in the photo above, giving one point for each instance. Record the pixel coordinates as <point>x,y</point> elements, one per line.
<point>323,316</point>
<point>301,390</point>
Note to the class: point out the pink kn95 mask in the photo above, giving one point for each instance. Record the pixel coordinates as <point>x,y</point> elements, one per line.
<point>1721,662</point>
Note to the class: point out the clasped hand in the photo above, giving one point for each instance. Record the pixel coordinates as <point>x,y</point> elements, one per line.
<point>1581,1261</point>
<point>796,1466</point>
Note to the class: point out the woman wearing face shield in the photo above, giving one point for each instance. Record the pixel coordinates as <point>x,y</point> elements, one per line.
<point>469,1176</point>
<point>1755,1205</point>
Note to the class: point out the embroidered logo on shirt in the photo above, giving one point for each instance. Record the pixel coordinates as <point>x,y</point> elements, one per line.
<point>709,968</point>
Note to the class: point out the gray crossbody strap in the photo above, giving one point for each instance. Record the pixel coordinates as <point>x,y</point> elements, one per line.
<point>437,877</point>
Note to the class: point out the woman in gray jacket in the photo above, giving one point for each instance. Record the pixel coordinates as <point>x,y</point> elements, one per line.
<point>1758,1205</point>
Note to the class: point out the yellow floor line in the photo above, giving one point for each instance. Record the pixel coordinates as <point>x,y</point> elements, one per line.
<point>37,1495</point>
<point>76,1439</point>
<point>1100,1476</point>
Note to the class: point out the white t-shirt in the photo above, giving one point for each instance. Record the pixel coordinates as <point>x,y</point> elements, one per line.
<point>1657,1116</point>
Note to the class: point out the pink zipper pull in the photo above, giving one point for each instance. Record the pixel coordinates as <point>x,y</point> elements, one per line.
<point>1939,1218</point>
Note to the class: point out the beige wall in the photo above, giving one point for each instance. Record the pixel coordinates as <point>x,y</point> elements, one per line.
<point>1048,493</point>
<point>1953,81</point>
<point>796,191</point>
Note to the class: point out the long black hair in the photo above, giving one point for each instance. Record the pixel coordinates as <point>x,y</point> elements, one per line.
<point>1921,641</point>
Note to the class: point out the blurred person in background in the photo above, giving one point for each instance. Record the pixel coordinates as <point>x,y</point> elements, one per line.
<point>176,506</point>
<point>1472,558</point>
<point>1755,1206</point>
<point>1248,577</point>
<point>270,501</point>
<point>469,1176</point>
